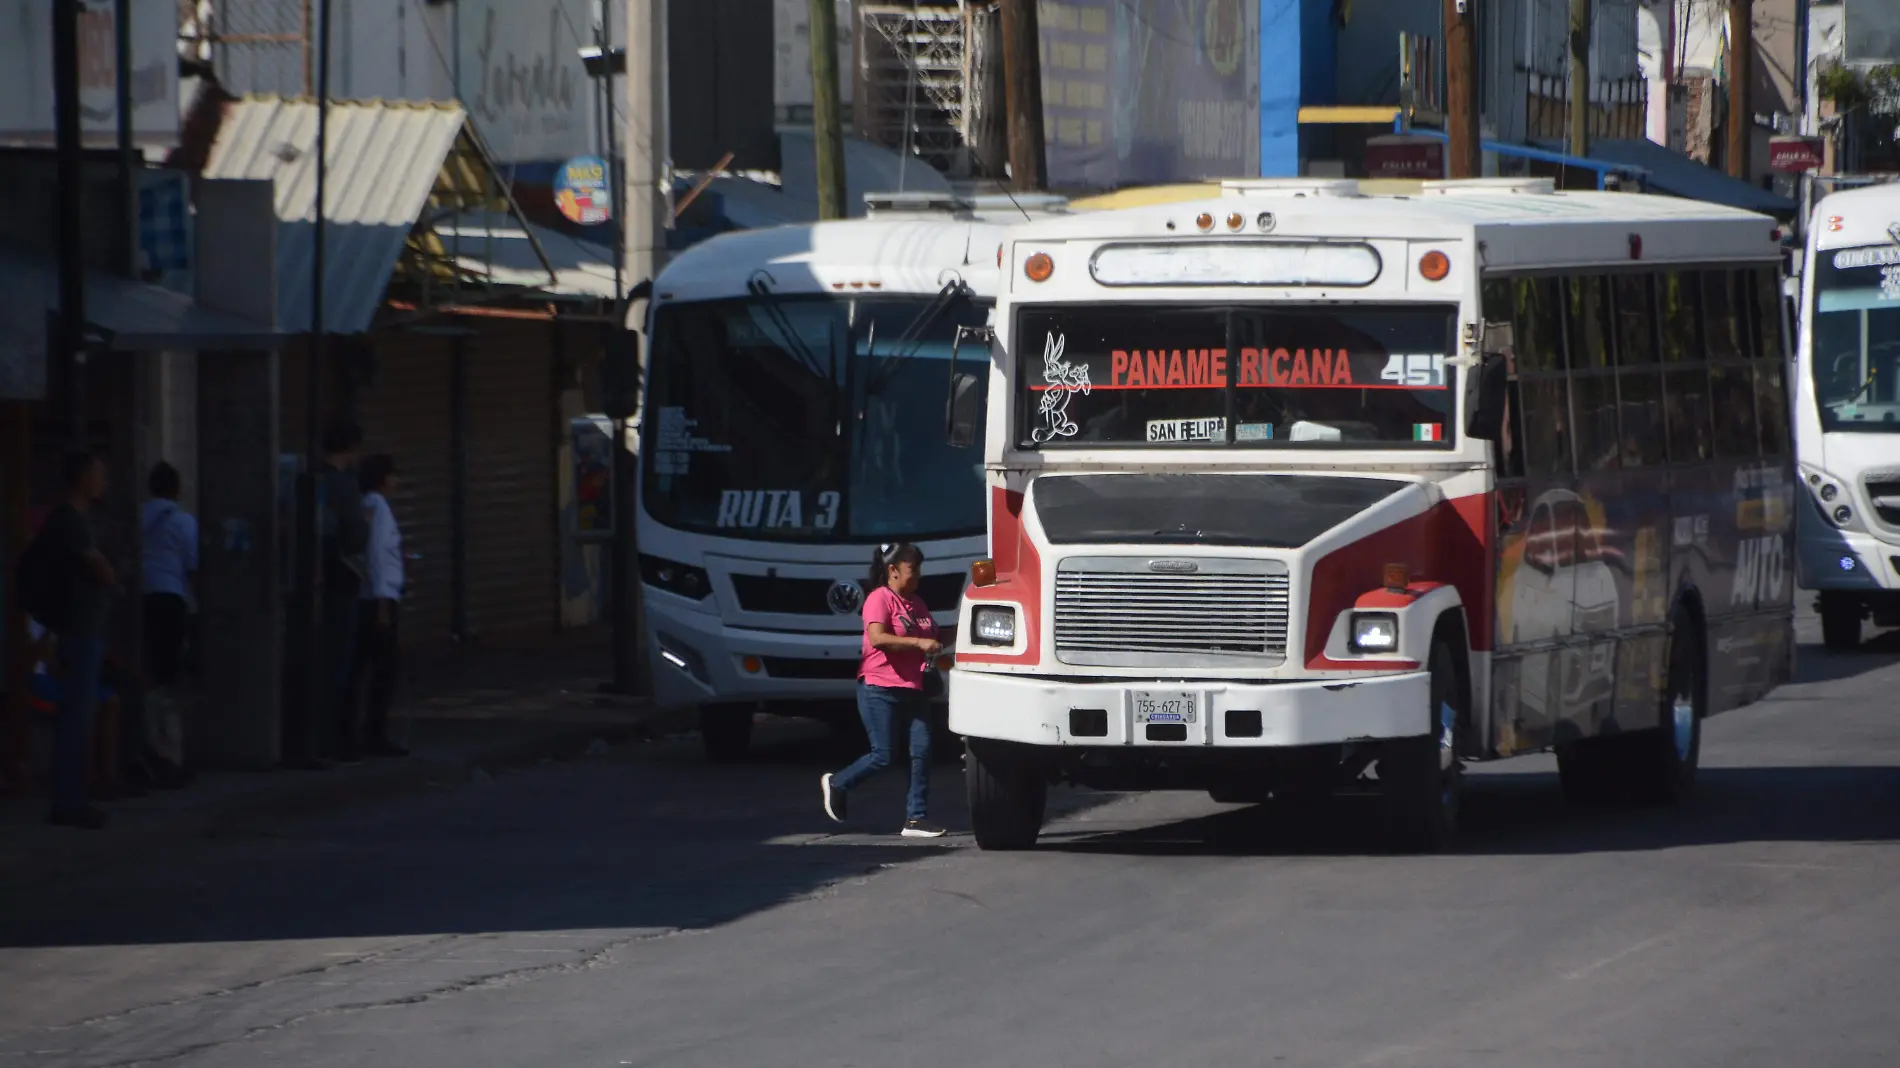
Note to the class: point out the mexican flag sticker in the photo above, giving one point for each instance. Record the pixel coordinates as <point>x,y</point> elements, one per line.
<point>1428,431</point>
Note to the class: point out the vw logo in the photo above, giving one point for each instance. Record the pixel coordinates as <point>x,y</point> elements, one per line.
<point>1174,567</point>
<point>844,598</point>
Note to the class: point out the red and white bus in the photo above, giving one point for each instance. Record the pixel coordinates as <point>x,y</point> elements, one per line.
<point>1300,490</point>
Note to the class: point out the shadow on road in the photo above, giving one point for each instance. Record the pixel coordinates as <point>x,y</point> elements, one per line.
<point>1525,814</point>
<point>658,842</point>
<point>1817,663</point>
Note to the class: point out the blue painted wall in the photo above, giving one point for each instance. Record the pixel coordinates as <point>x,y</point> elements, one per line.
<point>1298,66</point>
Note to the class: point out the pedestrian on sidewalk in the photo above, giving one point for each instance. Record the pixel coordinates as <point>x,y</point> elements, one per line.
<point>168,570</point>
<point>900,637</point>
<point>64,582</point>
<point>378,608</point>
<point>345,539</point>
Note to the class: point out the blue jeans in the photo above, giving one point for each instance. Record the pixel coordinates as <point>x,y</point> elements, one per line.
<point>81,658</point>
<point>883,709</point>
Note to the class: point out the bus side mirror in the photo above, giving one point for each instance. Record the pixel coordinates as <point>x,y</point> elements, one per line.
<point>963,411</point>
<point>1487,396</point>
<point>962,406</point>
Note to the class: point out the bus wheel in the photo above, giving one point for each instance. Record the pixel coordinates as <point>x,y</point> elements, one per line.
<point>1007,794</point>
<point>1840,620</point>
<point>1665,759</point>
<point>726,732</point>
<point>1419,777</point>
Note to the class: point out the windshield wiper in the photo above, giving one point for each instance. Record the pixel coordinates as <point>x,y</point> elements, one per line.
<point>769,303</point>
<point>883,370</point>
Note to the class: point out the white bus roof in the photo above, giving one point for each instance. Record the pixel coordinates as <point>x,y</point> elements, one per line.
<point>1868,216</point>
<point>910,243</point>
<point>1523,224</point>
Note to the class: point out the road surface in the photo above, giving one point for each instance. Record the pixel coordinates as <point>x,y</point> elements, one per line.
<point>644,908</point>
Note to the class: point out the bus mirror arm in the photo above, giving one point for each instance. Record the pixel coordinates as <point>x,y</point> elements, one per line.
<point>1486,393</point>
<point>961,410</point>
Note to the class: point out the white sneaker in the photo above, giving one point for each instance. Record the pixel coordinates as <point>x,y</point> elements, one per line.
<point>834,798</point>
<point>921,829</point>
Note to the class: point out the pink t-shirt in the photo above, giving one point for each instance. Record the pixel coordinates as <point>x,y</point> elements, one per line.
<point>906,617</point>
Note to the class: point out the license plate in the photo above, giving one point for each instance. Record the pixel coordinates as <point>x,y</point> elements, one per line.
<point>1165,706</point>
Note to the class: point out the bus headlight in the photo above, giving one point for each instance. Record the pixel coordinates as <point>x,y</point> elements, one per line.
<point>993,625</point>
<point>682,579</point>
<point>1374,632</point>
<point>1832,498</point>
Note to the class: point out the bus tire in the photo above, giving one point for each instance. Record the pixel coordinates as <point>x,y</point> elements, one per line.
<point>1007,793</point>
<point>1841,613</point>
<point>725,732</point>
<point>1419,777</point>
<point>1664,760</point>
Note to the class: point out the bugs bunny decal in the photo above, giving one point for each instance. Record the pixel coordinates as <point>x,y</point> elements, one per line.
<point>1065,381</point>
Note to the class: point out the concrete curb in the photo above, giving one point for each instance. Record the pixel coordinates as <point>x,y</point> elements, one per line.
<point>300,794</point>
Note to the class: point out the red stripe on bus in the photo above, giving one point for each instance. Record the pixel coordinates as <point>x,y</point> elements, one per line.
<point>1449,543</point>
<point>1251,385</point>
<point>1018,578</point>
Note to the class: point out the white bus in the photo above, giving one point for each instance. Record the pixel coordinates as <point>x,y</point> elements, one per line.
<point>792,420</point>
<point>1299,490</point>
<point>1847,411</point>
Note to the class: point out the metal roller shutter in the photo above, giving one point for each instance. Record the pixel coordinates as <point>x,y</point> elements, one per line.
<point>513,537</point>
<point>405,412</point>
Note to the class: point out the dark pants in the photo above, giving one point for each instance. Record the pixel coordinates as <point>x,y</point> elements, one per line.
<point>884,711</point>
<point>166,618</point>
<point>81,659</point>
<point>376,659</point>
<point>338,636</point>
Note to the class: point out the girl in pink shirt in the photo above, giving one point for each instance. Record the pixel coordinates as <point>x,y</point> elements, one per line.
<point>900,637</point>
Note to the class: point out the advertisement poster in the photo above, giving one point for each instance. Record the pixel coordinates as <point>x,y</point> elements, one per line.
<point>1148,91</point>
<point>593,449</point>
<point>581,192</point>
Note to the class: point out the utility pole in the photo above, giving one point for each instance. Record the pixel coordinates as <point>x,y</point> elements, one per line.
<point>1580,78</point>
<point>826,133</point>
<point>70,163</point>
<point>1741,46</point>
<point>640,166</point>
<point>1022,93</point>
<point>1461,97</point>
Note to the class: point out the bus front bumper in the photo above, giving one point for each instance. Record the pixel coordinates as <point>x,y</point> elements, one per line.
<point>698,659</point>
<point>1051,712</point>
<point>1845,560</point>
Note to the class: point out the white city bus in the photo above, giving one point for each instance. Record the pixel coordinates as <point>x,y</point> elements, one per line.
<point>1300,490</point>
<point>792,420</point>
<point>1847,411</point>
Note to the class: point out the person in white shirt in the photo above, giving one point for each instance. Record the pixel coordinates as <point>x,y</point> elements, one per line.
<point>379,602</point>
<point>169,564</point>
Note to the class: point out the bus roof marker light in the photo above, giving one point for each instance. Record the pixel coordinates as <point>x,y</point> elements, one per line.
<point>1834,224</point>
<point>1434,266</point>
<point>1636,246</point>
<point>1265,221</point>
<point>1235,221</point>
<point>1205,221</point>
<point>983,573</point>
<point>1038,267</point>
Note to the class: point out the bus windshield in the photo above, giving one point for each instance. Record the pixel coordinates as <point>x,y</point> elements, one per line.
<point>812,419</point>
<point>1333,376</point>
<point>1854,350</point>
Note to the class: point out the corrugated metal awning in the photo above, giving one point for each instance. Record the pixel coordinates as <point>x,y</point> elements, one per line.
<point>131,316</point>
<point>384,159</point>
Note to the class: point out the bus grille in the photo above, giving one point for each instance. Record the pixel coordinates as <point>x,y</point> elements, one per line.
<point>1102,616</point>
<point>1883,492</point>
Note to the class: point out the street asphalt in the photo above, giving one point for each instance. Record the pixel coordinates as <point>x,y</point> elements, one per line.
<point>642,907</point>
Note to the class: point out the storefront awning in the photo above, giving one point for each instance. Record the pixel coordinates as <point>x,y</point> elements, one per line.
<point>1672,172</point>
<point>128,316</point>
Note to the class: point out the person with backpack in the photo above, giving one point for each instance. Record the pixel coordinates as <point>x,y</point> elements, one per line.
<point>64,583</point>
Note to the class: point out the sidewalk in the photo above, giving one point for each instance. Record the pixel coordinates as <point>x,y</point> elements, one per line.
<point>462,713</point>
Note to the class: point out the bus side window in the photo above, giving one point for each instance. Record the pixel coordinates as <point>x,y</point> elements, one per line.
<point>1680,311</point>
<point>1546,425</point>
<point>1638,381</point>
<point>1732,398</point>
<point>1635,320</point>
<point>1771,406</point>
<point>1593,396</point>
<point>1589,302</point>
<point>1765,307</point>
<point>1539,325</point>
<point>1722,316</point>
<point>1686,407</point>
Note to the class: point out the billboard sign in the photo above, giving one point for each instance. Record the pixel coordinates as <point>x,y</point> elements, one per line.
<point>26,72</point>
<point>523,80</point>
<point>1138,92</point>
<point>1397,156</point>
<point>1795,153</point>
